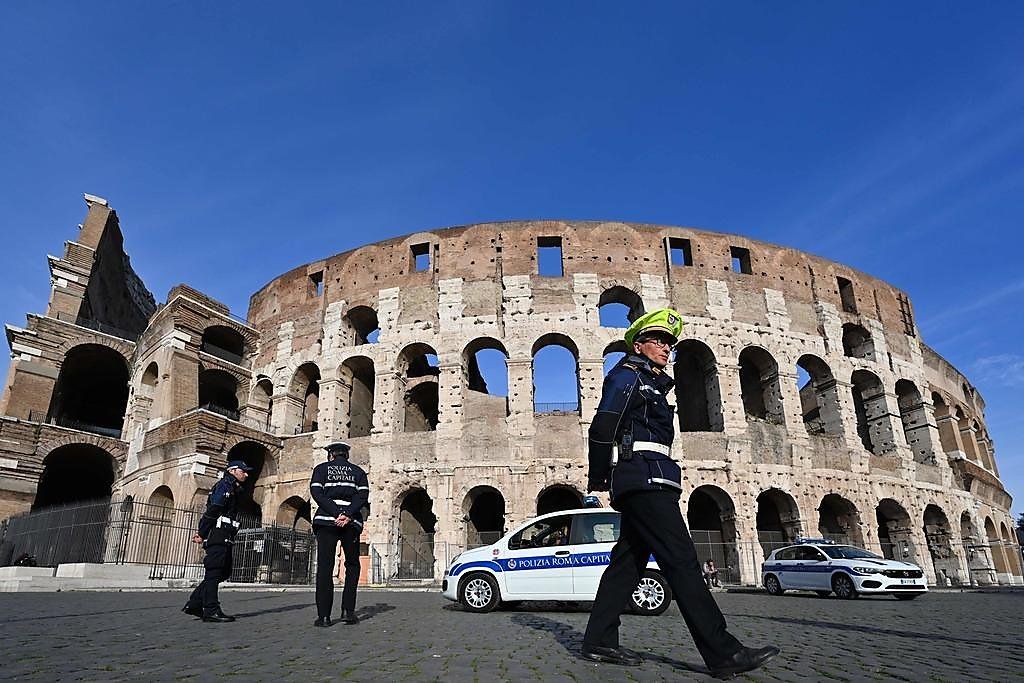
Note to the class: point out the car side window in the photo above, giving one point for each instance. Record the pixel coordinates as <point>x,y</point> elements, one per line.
<point>600,527</point>
<point>545,533</point>
<point>786,554</point>
<point>809,554</point>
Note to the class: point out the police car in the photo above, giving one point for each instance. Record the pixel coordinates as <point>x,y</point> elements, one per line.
<point>557,556</point>
<point>823,567</point>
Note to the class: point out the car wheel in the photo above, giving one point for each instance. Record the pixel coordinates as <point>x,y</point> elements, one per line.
<point>842,586</point>
<point>823,594</point>
<point>772,585</point>
<point>652,595</point>
<point>905,596</point>
<point>479,593</point>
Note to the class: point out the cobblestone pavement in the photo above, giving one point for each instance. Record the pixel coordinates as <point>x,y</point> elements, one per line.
<point>420,636</point>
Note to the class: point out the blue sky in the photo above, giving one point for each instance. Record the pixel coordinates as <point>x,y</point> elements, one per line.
<point>887,136</point>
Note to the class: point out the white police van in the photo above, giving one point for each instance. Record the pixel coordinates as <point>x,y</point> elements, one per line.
<point>557,556</point>
<point>817,564</point>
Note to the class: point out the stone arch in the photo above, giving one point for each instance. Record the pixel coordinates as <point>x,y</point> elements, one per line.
<point>759,385</point>
<point>711,516</point>
<point>418,388</point>
<point>363,325</point>
<point>895,534</point>
<point>1012,550</point>
<point>563,380</point>
<point>697,389</point>
<point>295,512</point>
<point>357,376</point>
<point>483,511</point>
<point>218,392</point>
<point>869,403</point>
<point>481,357</point>
<point>223,342</point>
<point>996,549</point>
<point>618,304</point>
<point>857,342</point>
<point>558,497</point>
<point>938,535</point>
<point>75,472</point>
<point>122,348</point>
<point>261,402</point>
<point>778,519</point>
<point>914,418</point>
<point>612,354</point>
<point>839,519</point>
<point>967,435</point>
<point>258,457</point>
<point>302,400</point>
<point>415,526</point>
<point>151,376</point>
<point>819,397</point>
<point>91,391</point>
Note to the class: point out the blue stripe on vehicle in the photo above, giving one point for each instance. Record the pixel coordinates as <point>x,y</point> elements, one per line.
<point>518,564</point>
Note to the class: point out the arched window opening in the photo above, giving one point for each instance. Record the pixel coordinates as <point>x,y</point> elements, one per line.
<point>995,549</point>
<point>218,393</point>
<point>91,393</point>
<point>711,516</point>
<point>224,343</point>
<point>151,377</point>
<point>915,421</point>
<point>1012,551</point>
<point>295,512</point>
<point>819,397</point>
<point>759,386</point>
<point>857,342</point>
<point>261,407</point>
<point>556,383</point>
<point>255,455</point>
<point>839,520</point>
<point>484,514</point>
<point>894,531</point>
<point>619,306</point>
<point>557,498</point>
<point>421,408</point>
<point>357,391</point>
<point>362,320</point>
<point>872,413</point>
<point>485,372</point>
<point>613,355</point>
<point>75,473</point>
<point>938,534</point>
<point>778,520</point>
<point>698,396</point>
<point>418,372</point>
<point>416,526</point>
<point>160,546</point>
<point>304,399</point>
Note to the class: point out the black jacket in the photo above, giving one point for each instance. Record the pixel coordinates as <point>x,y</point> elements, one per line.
<point>339,487</point>
<point>217,525</point>
<point>633,403</point>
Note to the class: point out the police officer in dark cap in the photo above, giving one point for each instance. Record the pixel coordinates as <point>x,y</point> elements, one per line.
<point>630,455</point>
<point>217,529</point>
<point>342,494</point>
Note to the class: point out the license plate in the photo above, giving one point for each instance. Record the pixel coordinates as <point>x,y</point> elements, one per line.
<point>908,582</point>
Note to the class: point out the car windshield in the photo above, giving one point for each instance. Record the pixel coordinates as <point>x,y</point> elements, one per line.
<point>847,552</point>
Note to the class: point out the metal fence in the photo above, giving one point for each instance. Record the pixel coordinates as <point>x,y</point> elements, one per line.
<point>128,532</point>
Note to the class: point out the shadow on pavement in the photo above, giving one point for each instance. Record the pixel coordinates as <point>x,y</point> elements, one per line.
<point>572,640</point>
<point>876,631</point>
<point>284,608</point>
<point>370,611</point>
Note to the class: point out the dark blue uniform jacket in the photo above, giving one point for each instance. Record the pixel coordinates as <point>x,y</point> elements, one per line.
<point>633,403</point>
<point>217,525</point>
<point>339,487</point>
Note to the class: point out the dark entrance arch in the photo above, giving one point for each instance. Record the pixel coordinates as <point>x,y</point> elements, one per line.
<point>416,526</point>
<point>778,519</point>
<point>250,514</point>
<point>73,474</point>
<point>91,393</point>
<point>710,514</point>
<point>558,497</point>
<point>839,520</point>
<point>484,510</point>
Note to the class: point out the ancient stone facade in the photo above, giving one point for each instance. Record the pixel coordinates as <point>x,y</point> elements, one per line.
<point>807,402</point>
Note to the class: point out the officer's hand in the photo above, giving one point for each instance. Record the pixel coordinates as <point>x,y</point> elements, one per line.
<point>342,520</point>
<point>196,538</point>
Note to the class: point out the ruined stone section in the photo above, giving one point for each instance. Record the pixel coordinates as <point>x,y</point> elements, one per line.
<point>806,402</point>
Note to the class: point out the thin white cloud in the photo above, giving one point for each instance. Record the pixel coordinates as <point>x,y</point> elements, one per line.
<point>1003,368</point>
<point>976,303</point>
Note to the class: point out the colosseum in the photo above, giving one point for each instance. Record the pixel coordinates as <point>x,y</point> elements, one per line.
<point>808,404</point>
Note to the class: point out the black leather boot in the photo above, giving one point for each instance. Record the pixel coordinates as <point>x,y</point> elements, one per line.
<point>350,617</point>
<point>217,616</point>
<point>192,610</point>
<point>323,622</point>
<point>747,659</point>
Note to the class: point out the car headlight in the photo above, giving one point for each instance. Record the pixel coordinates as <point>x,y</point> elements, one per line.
<point>867,570</point>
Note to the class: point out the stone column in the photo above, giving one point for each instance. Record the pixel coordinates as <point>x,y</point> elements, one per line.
<point>591,379</point>
<point>520,397</point>
<point>733,417</point>
<point>790,396</point>
<point>331,420</point>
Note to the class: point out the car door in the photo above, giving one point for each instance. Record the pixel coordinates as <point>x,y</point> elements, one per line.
<point>538,561</point>
<point>782,566</point>
<point>817,569</point>
<point>593,536</point>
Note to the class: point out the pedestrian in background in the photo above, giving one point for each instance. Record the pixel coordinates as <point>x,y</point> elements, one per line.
<point>341,491</point>
<point>217,529</point>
